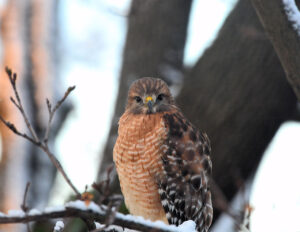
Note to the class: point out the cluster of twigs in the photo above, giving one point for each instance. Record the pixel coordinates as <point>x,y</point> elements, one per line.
<point>108,213</point>
<point>33,138</point>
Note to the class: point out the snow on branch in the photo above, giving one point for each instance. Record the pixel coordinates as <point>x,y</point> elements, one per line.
<point>92,212</point>
<point>293,14</point>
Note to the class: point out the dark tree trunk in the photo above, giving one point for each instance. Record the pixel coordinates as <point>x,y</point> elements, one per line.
<point>40,70</point>
<point>285,38</point>
<point>237,91</point>
<point>239,96</point>
<point>154,47</point>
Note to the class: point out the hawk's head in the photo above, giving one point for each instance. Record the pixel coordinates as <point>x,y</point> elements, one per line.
<point>149,95</point>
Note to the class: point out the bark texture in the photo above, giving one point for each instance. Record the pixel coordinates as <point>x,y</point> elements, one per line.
<point>239,96</point>
<point>274,16</point>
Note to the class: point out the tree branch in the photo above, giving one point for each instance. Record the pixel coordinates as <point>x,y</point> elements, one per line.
<point>24,206</point>
<point>284,33</point>
<point>52,111</point>
<point>34,139</point>
<point>13,78</point>
<point>90,213</point>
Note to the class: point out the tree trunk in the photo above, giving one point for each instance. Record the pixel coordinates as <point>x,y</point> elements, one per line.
<point>39,79</point>
<point>239,96</point>
<point>278,20</point>
<point>154,47</point>
<point>13,148</point>
<point>27,37</point>
<point>236,92</point>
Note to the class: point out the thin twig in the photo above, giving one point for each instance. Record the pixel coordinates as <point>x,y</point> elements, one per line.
<point>12,127</point>
<point>23,206</point>
<point>13,77</point>
<point>52,111</point>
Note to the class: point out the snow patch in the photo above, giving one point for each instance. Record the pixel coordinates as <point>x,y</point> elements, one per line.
<point>275,194</point>
<point>54,209</point>
<point>33,212</point>
<point>109,228</point>
<point>293,14</point>
<point>81,205</point>
<point>59,226</point>
<point>2,214</point>
<point>98,225</point>
<point>15,213</point>
<point>188,226</point>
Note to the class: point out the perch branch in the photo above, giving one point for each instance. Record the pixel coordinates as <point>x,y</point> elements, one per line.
<point>120,220</point>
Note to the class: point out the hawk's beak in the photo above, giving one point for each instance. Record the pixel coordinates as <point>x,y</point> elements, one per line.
<point>149,101</point>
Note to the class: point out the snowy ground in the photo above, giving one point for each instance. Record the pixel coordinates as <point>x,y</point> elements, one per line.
<point>276,191</point>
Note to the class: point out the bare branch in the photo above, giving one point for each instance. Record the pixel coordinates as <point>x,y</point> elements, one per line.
<point>52,111</point>
<point>14,101</point>
<point>48,105</point>
<point>12,127</point>
<point>58,104</point>
<point>13,77</point>
<point>35,140</point>
<point>23,206</point>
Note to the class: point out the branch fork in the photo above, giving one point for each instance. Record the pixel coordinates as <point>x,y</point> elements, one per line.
<point>33,138</point>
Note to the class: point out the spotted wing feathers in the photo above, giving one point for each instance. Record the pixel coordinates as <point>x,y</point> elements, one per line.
<point>183,187</point>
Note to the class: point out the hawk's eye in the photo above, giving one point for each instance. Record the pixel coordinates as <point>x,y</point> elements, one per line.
<point>160,97</point>
<point>138,99</point>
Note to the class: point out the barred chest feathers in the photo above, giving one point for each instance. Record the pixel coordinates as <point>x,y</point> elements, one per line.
<point>138,161</point>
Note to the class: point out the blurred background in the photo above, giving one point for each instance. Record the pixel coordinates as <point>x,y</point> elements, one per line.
<point>220,66</point>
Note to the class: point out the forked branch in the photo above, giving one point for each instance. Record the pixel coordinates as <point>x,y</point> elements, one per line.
<point>42,144</point>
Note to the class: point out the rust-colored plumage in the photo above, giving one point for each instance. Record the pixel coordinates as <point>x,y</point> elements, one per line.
<point>162,160</point>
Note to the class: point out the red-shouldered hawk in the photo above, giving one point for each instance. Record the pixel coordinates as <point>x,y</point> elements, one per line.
<point>162,160</point>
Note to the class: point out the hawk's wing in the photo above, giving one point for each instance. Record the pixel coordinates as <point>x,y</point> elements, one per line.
<point>183,186</point>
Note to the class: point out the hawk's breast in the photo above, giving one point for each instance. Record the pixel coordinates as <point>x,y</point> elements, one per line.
<point>137,155</point>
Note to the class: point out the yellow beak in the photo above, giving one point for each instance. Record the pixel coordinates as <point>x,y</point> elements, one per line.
<point>149,102</point>
<point>149,98</point>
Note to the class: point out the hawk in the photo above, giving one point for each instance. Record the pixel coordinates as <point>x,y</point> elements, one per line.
<point>162,160</point>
